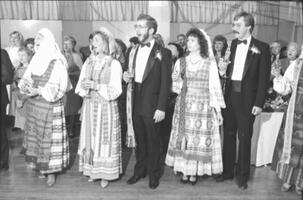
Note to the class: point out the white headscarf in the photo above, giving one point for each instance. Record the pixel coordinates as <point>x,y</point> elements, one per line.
<point>48,51</point>
<point>209,44</point>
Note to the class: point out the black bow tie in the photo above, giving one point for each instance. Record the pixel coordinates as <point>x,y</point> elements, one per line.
<point>242,41</point>
<point>145,44</point>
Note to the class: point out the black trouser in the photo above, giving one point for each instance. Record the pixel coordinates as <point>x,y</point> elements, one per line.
<point>148,146</point>
<point>4,147</point>
<point>237,120</point>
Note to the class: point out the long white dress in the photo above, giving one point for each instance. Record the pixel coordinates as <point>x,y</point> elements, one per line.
<point>100,138</point>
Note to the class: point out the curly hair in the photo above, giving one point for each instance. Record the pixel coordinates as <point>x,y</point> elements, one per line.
<point>195,32</point>
<point>220,38</point>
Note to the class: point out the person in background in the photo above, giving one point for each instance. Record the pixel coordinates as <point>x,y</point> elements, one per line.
<point>86,51</point>
<point>15,42</point>
<point>7,74</point>
<point>25,55</point>
<point>99,84</point>
<point>133,41</point>
<point>275,101</point>
<point>177,52</point>
<point>30,44</point>
<point>275,51</point>
<point>287,159</point>
<point>181,39</point>
<point>45,82</point>
<point>194,146</point>
<point>219,46</point>
<point>73,102</point>
<point>159,39</point>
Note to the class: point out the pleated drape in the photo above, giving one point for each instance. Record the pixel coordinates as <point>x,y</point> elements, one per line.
<point>73,10</point>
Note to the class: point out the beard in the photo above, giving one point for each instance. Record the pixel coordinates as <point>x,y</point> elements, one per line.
<point>143,37</point>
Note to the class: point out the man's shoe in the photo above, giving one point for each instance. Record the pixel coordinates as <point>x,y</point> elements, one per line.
<point>223,178</point>
<point>153,184</point>
<point>242,185</point>
<point>134,179</point>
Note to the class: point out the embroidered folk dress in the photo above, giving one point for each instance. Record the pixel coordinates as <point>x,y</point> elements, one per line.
<point>100,138</point>
<point>287,158</point>
<point>194,146</point>
<point>45,138</point>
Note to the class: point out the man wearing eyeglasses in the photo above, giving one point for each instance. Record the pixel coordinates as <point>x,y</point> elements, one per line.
<point>149,72</point>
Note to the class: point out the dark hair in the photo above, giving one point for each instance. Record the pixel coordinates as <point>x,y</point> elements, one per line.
<point>158,39</point>
<point>134,40</point>
<point>105,39</point>
<point>122,45</point>
<point>220,38</point>
<point>90,37</point>
<point>150,21</point>
<point>181,35</point>
<point>194,32</point>
<point>179,48</point>
<point>248,19</point>
<point>29,41</point>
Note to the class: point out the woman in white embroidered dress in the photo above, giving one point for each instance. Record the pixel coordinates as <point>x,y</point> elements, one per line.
<point>194,147</point>
<point>100,86</point>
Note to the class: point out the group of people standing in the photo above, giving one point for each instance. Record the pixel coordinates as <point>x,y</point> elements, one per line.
<point>197,92</point>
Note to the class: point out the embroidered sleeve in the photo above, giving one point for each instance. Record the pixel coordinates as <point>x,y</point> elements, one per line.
<point>57,85</point>
<point>215,89</point>
<point>113,89</point>
<point>283,84</point>
<point>83,74</point>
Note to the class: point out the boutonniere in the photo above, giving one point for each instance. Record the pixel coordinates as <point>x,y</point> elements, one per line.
<point>158,55</point>
<point>254,50</point>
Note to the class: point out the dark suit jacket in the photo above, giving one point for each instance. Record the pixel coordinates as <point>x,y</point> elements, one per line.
<point>7,75</point>
<point>256,74</point>
<point>155,87</point>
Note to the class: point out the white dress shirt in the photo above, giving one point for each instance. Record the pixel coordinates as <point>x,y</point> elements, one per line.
<point>141,60</point>
<point>239,62</point>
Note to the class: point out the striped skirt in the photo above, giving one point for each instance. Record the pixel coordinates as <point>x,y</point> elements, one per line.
<point>45,138</point>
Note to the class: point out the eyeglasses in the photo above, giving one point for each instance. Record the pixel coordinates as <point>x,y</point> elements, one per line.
<point>138,26</point>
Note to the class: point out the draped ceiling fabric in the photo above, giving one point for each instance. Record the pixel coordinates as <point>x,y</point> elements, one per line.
<point>73,10</point>
<point>214,12</point>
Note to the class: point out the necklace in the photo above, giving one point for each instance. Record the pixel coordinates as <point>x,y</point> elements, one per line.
<point>193,61</point>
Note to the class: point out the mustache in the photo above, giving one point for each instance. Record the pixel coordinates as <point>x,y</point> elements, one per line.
<point>235,32</point>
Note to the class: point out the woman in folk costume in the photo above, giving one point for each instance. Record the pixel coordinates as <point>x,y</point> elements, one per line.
<point>46,81</point>
<point>194,147</point>
<point>100,86</point>
<point>287,159</point>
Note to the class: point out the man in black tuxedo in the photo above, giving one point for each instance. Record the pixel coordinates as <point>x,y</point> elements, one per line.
<point>6,79</point>
<point>152,83</point>
<point>246,85</point>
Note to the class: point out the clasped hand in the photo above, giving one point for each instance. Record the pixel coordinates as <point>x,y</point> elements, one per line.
<point>87,84</point>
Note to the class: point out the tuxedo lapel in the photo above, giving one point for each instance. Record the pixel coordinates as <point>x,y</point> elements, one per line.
<point>249,57</point>
<point>135,58</point>
<point>150,61</point>
<point>233,49</point>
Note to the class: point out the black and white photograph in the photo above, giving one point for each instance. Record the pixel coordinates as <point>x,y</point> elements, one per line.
<point>166,100</point>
